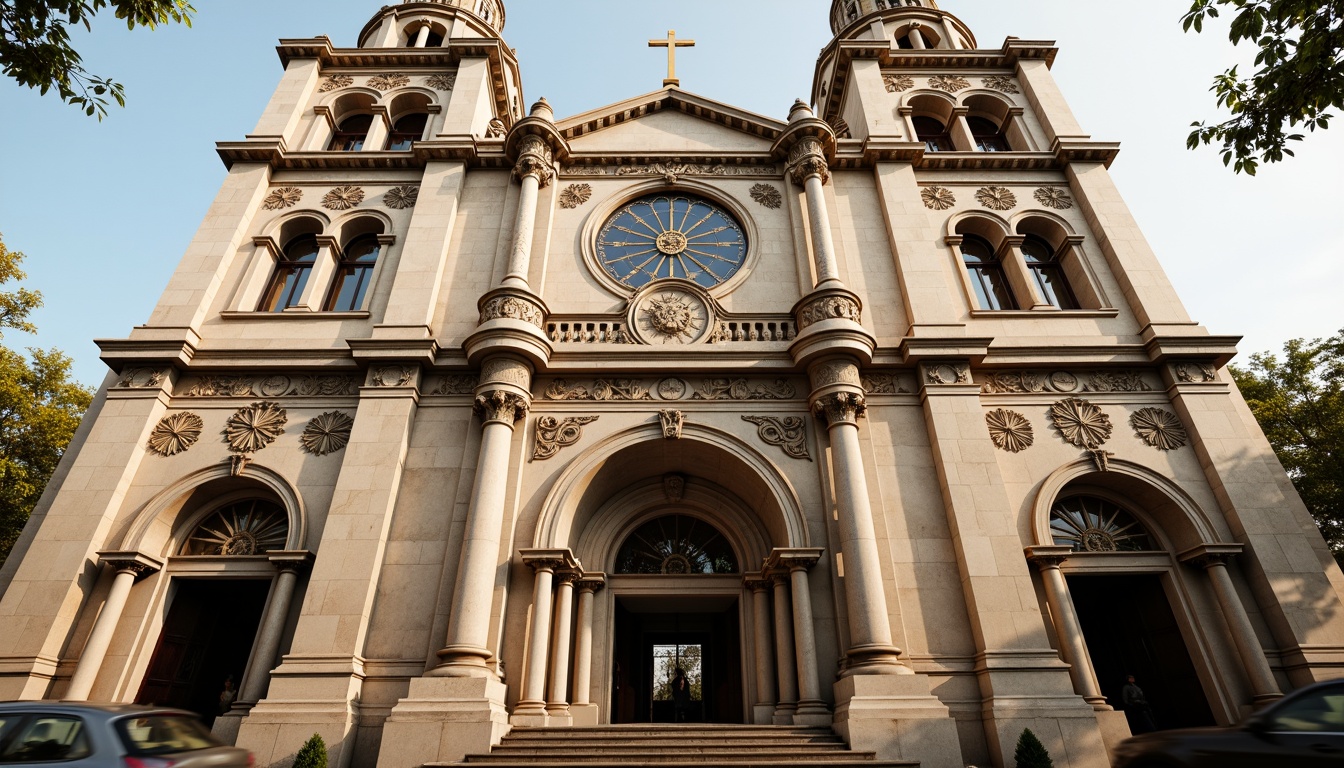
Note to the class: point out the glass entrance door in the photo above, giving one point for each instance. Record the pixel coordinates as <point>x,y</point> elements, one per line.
<point>677,667</point>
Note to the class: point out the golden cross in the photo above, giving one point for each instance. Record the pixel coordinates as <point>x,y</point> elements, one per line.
<point>671,44</point>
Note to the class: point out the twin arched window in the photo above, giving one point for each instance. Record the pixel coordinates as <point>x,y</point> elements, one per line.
<point>987,134</point>
<point>933,132</point>
<point>352,132</point>
<point>294,268</point>
<point>1000,281</point>
<point>353,275</point>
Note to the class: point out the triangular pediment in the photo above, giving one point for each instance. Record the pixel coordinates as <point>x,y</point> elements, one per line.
<point>670,122</point>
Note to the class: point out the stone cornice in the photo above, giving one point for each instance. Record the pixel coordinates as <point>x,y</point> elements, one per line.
<point>666,100</point>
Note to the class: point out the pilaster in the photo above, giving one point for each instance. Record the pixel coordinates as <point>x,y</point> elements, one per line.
<point>285,111</point>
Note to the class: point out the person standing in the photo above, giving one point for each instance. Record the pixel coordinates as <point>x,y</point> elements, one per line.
<point>1137,710</point>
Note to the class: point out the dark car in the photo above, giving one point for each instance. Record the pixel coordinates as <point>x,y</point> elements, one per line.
<point>72,735</point>
<point>1302,730</point>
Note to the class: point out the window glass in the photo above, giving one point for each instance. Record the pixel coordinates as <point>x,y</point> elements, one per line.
<point>48,739</point>
<point>676,544</point>
<point>934,134</point>
<point>291,274</point>
<point>987,278</point>
<point>988,137</point>
<point>408,130</point>
<point>1047,272</point>
<point>350,133</point>
<point>1090,524</point>
<point>354,275</point>
<point>162,734</point>
<point>1319,712</point>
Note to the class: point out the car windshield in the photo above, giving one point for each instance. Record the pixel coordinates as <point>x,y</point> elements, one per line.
<point>164,734</point>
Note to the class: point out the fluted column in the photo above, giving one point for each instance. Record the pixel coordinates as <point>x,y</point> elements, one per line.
<point>785,654</point>
<point>1213,559</point>
<point>128,566</point>
<point>764,652</point>
<point>557,702</point>
<point>1072,645</point>
<point>589,585</point>
<point>796,563</point>
<point>288,565</point>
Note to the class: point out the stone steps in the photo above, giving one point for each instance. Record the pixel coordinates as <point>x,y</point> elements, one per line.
<point>674,746</point>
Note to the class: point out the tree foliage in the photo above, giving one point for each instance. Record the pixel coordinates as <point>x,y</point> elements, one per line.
<point>35,46</point>
<point>1299,76</point>
<point>40,408</point>
<point>1031,753</point>
<point>313,754</point>
<point>1299,401</point>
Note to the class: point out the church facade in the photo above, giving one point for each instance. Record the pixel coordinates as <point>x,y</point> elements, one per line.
<point>457,417</point>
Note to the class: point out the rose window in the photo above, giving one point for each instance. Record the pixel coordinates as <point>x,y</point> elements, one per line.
<point>1089,524</point>
<point>676,545</point>
<point>252,527</point>
<point>680,236</point>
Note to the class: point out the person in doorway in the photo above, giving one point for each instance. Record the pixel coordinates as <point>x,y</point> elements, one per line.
<point>227,696</point>
<point>1137,710</point>
<point>681,695</point>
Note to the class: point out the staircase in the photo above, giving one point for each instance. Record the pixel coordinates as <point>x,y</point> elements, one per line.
<point>675,746</point>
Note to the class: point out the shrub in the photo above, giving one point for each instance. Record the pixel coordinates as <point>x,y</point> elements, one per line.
<point>1031,753</point>
<point>314,754</point>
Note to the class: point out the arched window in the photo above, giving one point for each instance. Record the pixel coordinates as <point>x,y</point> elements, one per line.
<point>1043,263</point>
<point>1090,524</point>
<point>353,275</point>
<point>350,133</point>
<point>291,274</point>
<point>252,527</point>
<point>933,133</point>
<point>988,136</point>
<point>676,544</point>
<point>987,278</point>
<point>408,130</point>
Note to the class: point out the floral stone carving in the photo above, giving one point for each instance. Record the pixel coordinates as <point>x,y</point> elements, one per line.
<point>335,82</point>
<point>1001,83</point>
<point>672,422</point>
<point>141,378</point>
<point>284,197</point>
<point>1010,430</point>
<point>496,129</point>
<point>741,389</point>
<point>897,83</point>
<point>254,427</point>
<point>1160,429</point>
<point>767,196</point>
<point>575,195</point>
<point>175,433</point>
<point>444,81</point>
<point>388,81</point>
<point>996,198</point>
<point>343,198</point>
<point>949,83</point>
<point>554,434</point>
<point>327,433</point>
<point>937,198</point>
<point>602,389</point>
<point>947,373</point>
<point>671,316</point>
<point>789,433</point>
<point>401,198</point>
<point>277,385</point>
<point>1081,423</point>
<point>829,308</point>
<point>1054,197</point>
<point>513,308</point>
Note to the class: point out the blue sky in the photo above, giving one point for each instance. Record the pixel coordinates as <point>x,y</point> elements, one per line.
<point>105,211</point>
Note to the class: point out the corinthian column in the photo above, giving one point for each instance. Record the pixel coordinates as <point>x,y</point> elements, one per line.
<point>534,170</point>
<point>128,566</point>
<point>808,168</point>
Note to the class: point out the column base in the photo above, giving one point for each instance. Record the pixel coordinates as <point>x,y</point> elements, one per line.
<point>559,714</point>
<point>585,714</point>
<point>784,712</point>
<point>813,713</point>
<point>277,728</point>
<point>1032,689</point>
<point>442,720</point>
<point>899,718</point>
<point>530,714</point>
<point>763,714</point>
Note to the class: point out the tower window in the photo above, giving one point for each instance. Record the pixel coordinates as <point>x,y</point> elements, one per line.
<point>987,278</point>
<point>933,133</point>
<point>353,275</point>
<point>350,133</point>
<point>408,130</point>
<point>291,274</point>
<point>988,136</point>
<point>1043,264</point>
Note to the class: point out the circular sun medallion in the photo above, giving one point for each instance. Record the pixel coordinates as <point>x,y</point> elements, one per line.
<point>677,236</point>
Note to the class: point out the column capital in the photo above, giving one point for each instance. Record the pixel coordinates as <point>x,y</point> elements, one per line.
<point>130,561</point>
<point>566,576</point>
<point>806,142</point>
<point>535,159</point>
<point>1209,555</point>
<point>501,406</point>
<point>840,408</point>
<point>807,158</point>
<point>1048,556</point>
<point>592,581</point>
<point>551,560</point>
<point>793,559</point>
<point>756,582</point>
<point>291,561</point>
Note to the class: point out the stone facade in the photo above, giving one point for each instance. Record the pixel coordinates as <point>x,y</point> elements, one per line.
<point>432,460</point>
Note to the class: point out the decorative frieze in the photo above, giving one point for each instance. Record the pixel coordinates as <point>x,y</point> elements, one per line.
<point>938,374</point>
<point>834,372</point>
<point>937,198</point>
<point>604,390</point>
<point>1081,423</point>
<point>457,384</point>
<point>505,370</point>
<point>175,433</point>
<point>789,433</point>
<point>252,428</point>
<point>444,81</point>
<point>1054,197</point>
<point>996,198</point>
<point>401,198</point>
<point>388,81</point>
<point>1010,430</point>
<point>840,407</point>
<point>1064,382</point>
<point>1194,373</point>
<point>391,376</point>
<point>575,195</point>
<point>281,198</point>
<point>335,82</point>
<point>949,83</point>
<point>1159,428</point>
<point>767,196</point>
<point>513,307</point>
<point>275,385</point>
<point>671,171</point>
<point>743,389</point>
<point>898,83</point>
<point>672,388</point>
<point>808,158</point>
<point>500,406</point>
<point>1001,83</point>
<point>343,198</point>
<point>327,433</point>
<point>672,422</point>
<point>830,307</point>
<point>554,433</point>
<point>884,384</point>
<point>141,378</point>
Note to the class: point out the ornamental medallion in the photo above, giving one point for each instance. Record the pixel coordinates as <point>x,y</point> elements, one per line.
<point>676,236</point>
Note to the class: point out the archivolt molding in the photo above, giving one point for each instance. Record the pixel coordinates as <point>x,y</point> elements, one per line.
<point>164,508</point>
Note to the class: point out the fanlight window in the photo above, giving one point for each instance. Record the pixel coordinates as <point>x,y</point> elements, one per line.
<point>252,527</point>
<point>676,544</point>
<point>1089,524</point>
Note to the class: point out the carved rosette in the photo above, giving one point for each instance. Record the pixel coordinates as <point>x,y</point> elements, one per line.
<point>670,314</point>
<point>789,433</point>
<point>535,159</point>
<point>828,307</point>
<point>335,82</point>
<point>1010,430</point>
<point>1054,197</point>
<point>281,198</point>
<point>996,198</point>
<point>401,198</point>
<point>388,81</point>
<point>1001,83</point>
<point>175,433</point>
<point>840,408</point>
<point>252,428</point>
<point>575,195</point>
<point>767,196</point>
<point>444,81</point>
<point>949,83</point>
<point>513,307</point>
<point>327,433</point>
<point>937,198</point>
<point>343,198</point>
<point>1159,428</point>
<point>808,158</point>
<point>554,434</point>
<point>1081,423</point>
<point>897,83</point>
<point>500,406</point>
